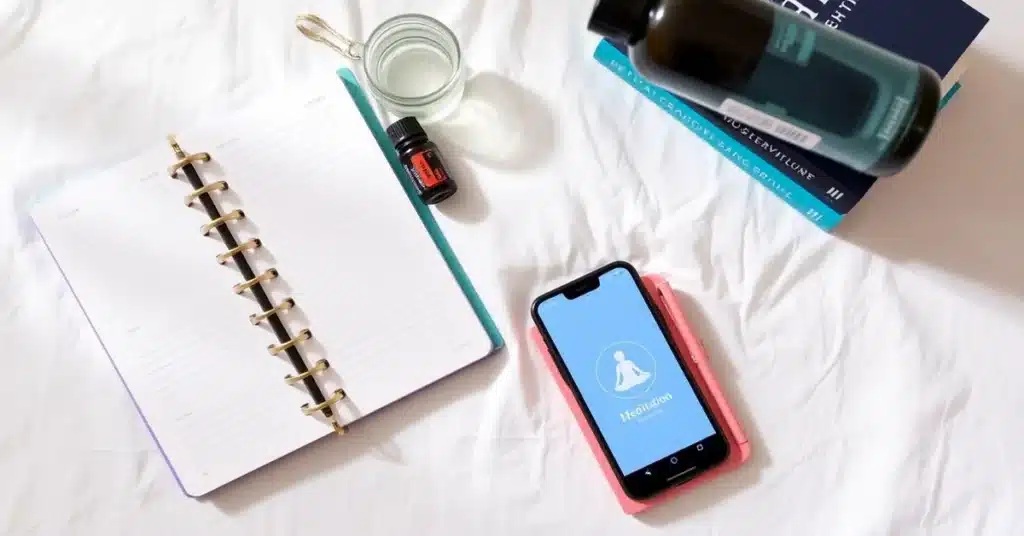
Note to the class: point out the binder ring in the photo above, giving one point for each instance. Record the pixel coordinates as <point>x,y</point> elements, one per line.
<point>319,367</point>
<point>212,187</point>
<point>186,159</point>
<point>245,285</point>
<point>256,318</point>
<point>337,396</point>
<point>230,216</point>
<point>303,335</point>
<point>252,243</point>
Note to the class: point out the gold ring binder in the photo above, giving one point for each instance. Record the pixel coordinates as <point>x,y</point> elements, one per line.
<point>319,367</point>
<point>252,243</point>
<point>256,318</point>
<point>303,335</point>
<point>212,187</point>
<point>245,285</point>
<point>186,163</point>
<point>188,159</point>
<point>335,398</point>
<point>184,158</point>
<point>230,216</point>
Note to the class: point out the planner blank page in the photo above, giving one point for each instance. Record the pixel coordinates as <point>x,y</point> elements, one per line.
<point>382,305</point>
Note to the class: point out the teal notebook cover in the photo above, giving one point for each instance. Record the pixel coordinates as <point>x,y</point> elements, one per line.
<point>426,216</point>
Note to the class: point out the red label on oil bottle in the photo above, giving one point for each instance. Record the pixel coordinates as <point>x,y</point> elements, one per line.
<point>428,168</point>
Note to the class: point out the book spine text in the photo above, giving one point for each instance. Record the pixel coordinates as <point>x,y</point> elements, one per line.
<point>764,172</point>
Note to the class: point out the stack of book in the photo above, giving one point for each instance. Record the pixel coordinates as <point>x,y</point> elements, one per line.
<point>937,33</point>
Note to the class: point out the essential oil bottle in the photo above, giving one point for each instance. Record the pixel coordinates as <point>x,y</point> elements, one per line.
<point>787,75</point>
<point>422,161</point>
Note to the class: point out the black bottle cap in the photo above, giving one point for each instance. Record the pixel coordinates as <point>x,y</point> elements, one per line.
<point>620,20</point>
<point>404,129</point>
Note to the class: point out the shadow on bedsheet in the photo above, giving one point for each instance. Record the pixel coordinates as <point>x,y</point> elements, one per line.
<point>744,477</point>
<point>960,206</point>
<point>369,437</point>
<point>499,125</point>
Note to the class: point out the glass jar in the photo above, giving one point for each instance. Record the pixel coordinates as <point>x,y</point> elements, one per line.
<point>412,63</point>
<point>413,66</point>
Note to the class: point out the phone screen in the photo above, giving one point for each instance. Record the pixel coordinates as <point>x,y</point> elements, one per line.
<point>644,405</point>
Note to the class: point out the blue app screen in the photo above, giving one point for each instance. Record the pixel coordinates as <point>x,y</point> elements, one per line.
<point>624,369</point>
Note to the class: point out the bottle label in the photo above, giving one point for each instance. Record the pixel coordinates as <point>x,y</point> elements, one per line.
<point>428,168</point>
<point>894,118</point>
<point>792,42</point>
<point>771,125</point>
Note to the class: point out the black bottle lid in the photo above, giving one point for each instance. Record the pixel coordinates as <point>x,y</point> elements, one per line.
<point>403,129</point>
<point>620,20</point>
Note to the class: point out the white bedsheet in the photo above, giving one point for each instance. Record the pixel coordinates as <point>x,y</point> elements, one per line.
<point>876,370</point>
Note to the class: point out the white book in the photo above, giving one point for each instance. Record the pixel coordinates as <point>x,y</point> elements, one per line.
<point>382,305</point>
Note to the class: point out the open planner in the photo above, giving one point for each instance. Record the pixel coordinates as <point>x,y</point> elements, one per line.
<point>264,280</point>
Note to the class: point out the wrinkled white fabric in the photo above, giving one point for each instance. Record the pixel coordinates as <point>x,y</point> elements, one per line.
<point>877,370</point>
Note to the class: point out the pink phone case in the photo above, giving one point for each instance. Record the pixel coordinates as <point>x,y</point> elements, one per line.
<point>687,341</point>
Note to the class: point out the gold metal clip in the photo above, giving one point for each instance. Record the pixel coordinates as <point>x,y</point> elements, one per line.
<point>184,158</point>
<point>319,367</point>
<point>212,187</point>
<point>251,243</point>
<point>256,318</point>
<point>335,398</point>
<point>245,285</point>
<point>303,335</point>
<point>230,216</point>
<point>314,27</point>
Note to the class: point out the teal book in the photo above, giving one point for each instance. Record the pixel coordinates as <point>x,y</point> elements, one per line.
<point>937,34</point>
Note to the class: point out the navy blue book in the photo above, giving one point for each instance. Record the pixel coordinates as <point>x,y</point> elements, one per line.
<point>937,34</point>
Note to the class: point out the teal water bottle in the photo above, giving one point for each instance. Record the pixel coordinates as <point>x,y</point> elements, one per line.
<point>784,74</point>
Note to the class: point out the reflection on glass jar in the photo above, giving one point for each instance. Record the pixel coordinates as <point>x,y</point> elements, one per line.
<point>413,66</point>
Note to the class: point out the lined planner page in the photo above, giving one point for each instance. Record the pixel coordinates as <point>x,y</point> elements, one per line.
<point>179,337</point>
<point>382,305</point>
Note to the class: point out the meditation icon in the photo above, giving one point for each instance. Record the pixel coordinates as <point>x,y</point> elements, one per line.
<point>627,374</point>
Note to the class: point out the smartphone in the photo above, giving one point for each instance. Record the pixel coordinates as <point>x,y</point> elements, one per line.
<point>613,348</point>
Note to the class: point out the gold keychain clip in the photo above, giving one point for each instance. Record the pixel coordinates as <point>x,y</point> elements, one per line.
<point>317,29</point>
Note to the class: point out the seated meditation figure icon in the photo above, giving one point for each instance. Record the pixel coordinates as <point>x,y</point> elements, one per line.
<point>627,374</point>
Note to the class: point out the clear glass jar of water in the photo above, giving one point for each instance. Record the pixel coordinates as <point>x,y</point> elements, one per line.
<point>413,65</point>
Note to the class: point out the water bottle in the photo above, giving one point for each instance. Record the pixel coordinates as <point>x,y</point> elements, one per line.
<point>784,74</point>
